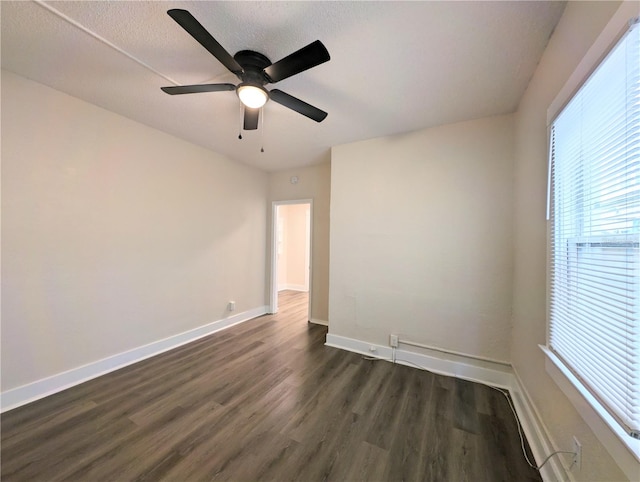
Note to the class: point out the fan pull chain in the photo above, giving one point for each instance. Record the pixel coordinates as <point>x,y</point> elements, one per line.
<point>261,129</point>
<point>240,123</point>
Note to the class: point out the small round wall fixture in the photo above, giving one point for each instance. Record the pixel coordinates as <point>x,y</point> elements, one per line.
<point>294,180</point>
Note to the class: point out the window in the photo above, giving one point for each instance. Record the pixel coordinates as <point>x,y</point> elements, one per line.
<point>594,312</point>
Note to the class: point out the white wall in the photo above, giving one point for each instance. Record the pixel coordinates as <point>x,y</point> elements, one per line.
<point>421,238</point>
<point>313,183</point>
<point>577,30</point>
<point>293,265</point>
<point>114,235</point>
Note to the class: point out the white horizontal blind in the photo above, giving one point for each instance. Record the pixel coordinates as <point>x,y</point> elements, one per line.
<point>594,319</point>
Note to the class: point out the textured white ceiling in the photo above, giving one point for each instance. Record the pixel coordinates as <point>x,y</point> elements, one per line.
<point>395,66</point>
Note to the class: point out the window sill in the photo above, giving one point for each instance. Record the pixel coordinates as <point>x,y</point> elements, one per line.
<point>624,449</point>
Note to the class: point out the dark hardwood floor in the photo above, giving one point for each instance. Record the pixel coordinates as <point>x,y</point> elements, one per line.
<point>266,400</point>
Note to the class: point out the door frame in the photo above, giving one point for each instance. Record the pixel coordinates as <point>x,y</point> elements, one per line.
<point>273,288</point>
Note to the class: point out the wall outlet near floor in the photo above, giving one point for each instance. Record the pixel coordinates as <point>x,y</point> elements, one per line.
<point>576,464</point>
<point>231,306</point>
<point>393,341</point>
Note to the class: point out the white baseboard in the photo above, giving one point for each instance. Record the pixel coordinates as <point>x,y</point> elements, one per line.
<point>463,367</point>
<point>477,371</point>
<point>30,392</point>
<point>537,434</point>
<point>316,321</point>
<point>358,346</point>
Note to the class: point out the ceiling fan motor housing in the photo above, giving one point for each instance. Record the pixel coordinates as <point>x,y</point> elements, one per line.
<point>253,65</point>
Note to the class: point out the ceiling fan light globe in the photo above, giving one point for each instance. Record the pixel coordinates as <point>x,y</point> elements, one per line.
<point>252,96</point>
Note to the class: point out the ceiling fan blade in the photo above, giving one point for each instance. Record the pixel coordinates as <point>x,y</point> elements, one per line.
<point>298,105</point>
<point>194,89</point>
<point>198,32</point>
<point>251,119</point>
<point>313,54</point>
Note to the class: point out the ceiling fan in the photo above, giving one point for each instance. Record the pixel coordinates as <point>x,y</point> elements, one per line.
<point>254,71</point>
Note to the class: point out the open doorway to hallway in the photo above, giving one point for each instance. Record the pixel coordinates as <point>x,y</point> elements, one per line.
<point>291,250</point>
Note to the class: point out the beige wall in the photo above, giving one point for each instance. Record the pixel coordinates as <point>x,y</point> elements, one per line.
<point>114,235</point>
<point>313,183</point>
<point>579,27</point>
<point>421,239</point>
<point>292,262</point>
<point>281,257</point>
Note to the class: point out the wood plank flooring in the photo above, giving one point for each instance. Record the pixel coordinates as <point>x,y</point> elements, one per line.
<point>266,400</point>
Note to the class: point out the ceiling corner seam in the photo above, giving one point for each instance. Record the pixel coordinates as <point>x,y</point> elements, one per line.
<point>98,37</point>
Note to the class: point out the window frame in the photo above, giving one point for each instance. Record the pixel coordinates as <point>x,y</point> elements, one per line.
<point>624,449</point>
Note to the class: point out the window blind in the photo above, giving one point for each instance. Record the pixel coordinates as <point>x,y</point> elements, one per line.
<point>594,317</point>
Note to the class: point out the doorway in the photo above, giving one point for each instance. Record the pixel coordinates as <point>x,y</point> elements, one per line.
<point>291,270</point>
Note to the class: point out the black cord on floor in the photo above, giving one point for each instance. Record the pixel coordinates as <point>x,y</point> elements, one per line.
<point>503,392</point>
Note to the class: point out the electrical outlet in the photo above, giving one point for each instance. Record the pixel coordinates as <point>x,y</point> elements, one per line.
<point>231,306</point>
<point>393,341</point>
<point>576,465</point>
